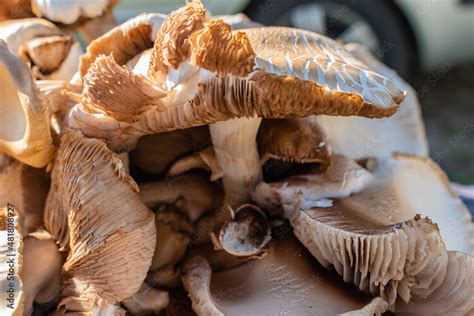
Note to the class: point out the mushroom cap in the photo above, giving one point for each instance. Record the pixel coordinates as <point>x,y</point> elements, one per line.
<point>69,12</point>
<point>247,234</point>
<point>110,247</point>
<point>287,280</point>
<point>147,300</point>
<point>358,137</point>
<point>24,124</point>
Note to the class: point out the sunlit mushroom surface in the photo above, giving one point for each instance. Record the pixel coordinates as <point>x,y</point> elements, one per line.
<point>187,164</point>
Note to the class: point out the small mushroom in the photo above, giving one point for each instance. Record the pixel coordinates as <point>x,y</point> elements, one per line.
<point>168,277</point>
<point>147,301</point>
<point>173,233</point>
<point>197,192</point>
<point>358,137</point>
<point>286,281</point>
<point>51,54</point>
<point>247,234</point>
<point>205,160</point>
<point>24,124</point>
<point>109,236</point>
<point>156,153</point>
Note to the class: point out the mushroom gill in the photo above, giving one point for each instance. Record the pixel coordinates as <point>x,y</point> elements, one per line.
<point>50,53</point>
<point>109,237</point>
<point>24,125</point>
<point>286,281</point>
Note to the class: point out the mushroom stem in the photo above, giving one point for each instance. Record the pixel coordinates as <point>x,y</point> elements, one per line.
<point>236,151</point>
<point>94,28</point>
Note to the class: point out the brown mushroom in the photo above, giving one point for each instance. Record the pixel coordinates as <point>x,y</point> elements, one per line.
<point>24,125</point>
<point>199,195</point>
<point>286,281</point>
<point>146,301</point>
<point>110,238</point>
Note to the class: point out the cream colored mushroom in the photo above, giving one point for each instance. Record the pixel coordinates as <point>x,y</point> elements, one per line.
<point>286,281</point>
<point>30,268</point>
<point>357,137</point>
<point>24,124</point>
<point>93,17</point>
<point>51,54</point>
<point>109,236</point>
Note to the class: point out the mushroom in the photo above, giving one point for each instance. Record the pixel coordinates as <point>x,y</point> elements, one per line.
<point>239,82</point>
<point>358,137</point>
<point>25,188</point>
<point>24,124</point>
<point>146,301</point>
<point>204,160</point>
<point>30,268</point>
<point>51,54</point>
<point>109,238</point>
<point>15,9</point>
<point>286,281</point>
<point>157,152</point>
<point>199,195</point>
<point>342,178</point>
<point>93,17</point>
<point>173,233</point>
<point>247,234</point>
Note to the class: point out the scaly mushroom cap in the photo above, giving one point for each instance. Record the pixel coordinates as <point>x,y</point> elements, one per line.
<point>358,137</point>
<point>69,12</point>
<point>51,54</point>
<point>287,280</point>
<point>212,74</point>
<point>124,41</point>
<point>293,140</point>
<point>30,267</point>
<point>26,188</point>
<point>24,124</point>
<point>110,237</point>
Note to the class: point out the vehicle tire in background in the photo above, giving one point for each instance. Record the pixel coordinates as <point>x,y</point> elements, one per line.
<point>395,43</point>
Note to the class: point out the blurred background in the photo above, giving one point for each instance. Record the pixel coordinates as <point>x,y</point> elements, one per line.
<point>429,42</point>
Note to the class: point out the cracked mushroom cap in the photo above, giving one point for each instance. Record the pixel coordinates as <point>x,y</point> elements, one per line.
<point>286,281</point>
<point>109,236</point>
<point>211,74</point>
<point>358,137</point>
<point>30,268</point>
<point>24,125</point>
<point>50,53</point>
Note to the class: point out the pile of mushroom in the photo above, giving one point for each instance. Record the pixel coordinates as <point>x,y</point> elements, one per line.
<point>192,168</point>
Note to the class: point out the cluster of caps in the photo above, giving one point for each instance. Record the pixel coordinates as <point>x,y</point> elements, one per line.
<point>190,164</point>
